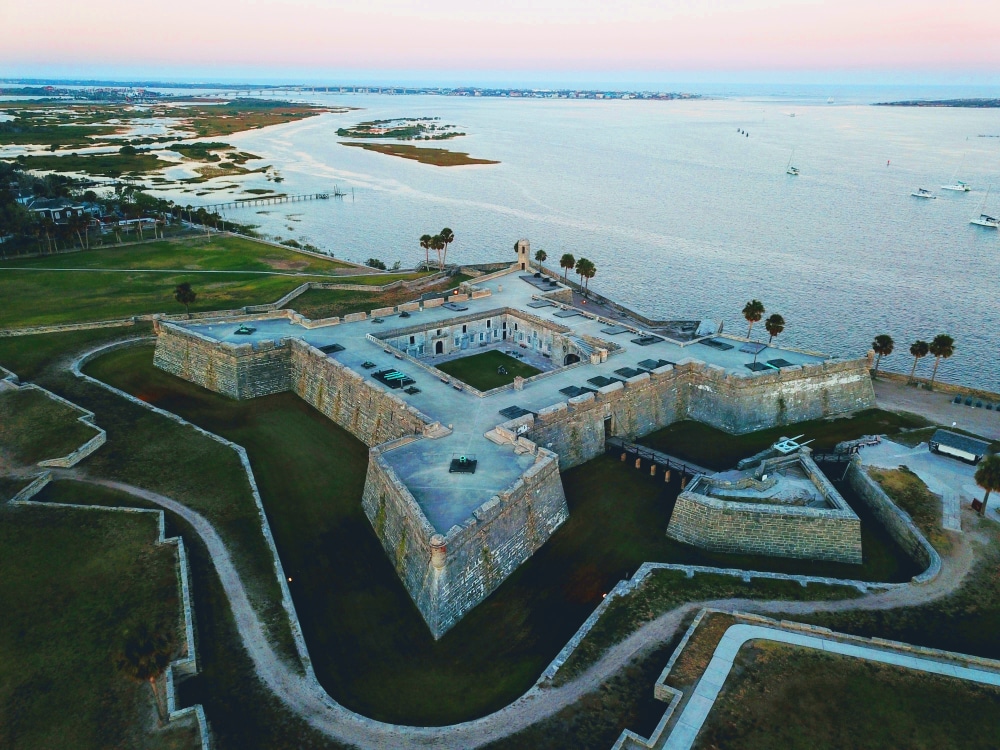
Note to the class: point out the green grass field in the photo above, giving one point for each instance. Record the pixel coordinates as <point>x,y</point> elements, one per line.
<point>326,303</point>
<point>35,427</point>
<point>782,696</point>
<point>370,647</point>
<point>74,582</point>
<point>112,286</point>
<point>480,370</point>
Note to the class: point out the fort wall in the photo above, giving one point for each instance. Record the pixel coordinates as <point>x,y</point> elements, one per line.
<point>446,576</point>
<point>749,528</point>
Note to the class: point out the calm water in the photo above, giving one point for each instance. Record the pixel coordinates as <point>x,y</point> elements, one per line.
<point>684,216</point>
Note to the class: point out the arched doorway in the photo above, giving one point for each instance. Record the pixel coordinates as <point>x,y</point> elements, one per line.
<point>439,347</point>
<point>571,359</point>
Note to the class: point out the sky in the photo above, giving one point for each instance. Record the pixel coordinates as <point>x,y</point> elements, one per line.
<point>470,41</point>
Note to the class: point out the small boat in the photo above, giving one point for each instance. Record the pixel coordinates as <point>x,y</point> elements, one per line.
<point>789,169</point>
<point>984,219</point>
<point>957,186</point>
<point>922,193</point>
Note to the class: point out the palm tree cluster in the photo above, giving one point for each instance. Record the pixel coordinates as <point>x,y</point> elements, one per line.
<point>941,347</point>
<point>753,312</point>
<point>988,477</point>
<point>439,244</point>
<point>586,270</point>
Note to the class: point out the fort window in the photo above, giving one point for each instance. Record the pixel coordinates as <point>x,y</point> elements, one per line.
<point>413,339</point>
<point>465,329</point>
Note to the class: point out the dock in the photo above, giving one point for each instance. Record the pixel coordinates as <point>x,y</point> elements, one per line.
<point>265,200</point>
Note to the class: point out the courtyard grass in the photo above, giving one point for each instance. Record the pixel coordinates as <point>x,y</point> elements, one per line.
<point>719,451</point>
<point>35,427</point>
<point>481,371</point>
<point>788,697</point>
<point>74,583</point>
<point>369,645</point>
<point>116,282</point>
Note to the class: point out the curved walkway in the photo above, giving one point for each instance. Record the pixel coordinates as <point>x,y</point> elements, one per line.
<point>307,698</point>
<point>702,700</point>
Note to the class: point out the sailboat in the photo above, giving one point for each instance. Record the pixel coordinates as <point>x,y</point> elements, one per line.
<point>957,185</point>
<point>923,193</point>
<point>794,171</point>
<point>985,220</point>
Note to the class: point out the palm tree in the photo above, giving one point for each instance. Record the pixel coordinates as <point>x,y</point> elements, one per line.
<point>774,325</point>
<point>883,346</point>
<point>942,347</point>
<point>540,256</point>
<point>186,296</point>
<point>919,350</point>
<point>437,245</point>
<point>988,477</point>
<point>566,263</point>
<point>753,311</point>
<point>447,237</point>
<point>587,271</point>
<point>425,243</point>
<point>144,658</point>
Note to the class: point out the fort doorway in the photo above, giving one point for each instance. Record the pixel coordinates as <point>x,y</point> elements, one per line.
<point>439,347</point>
<point>571,359</point>
<point>608,431</point>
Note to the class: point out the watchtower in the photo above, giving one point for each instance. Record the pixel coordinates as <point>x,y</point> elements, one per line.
<point>523,248</point>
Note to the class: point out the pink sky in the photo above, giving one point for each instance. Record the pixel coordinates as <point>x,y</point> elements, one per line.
<point>961,36</point>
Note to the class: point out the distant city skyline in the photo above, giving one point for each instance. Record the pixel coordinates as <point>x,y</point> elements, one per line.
<point>549,42</point>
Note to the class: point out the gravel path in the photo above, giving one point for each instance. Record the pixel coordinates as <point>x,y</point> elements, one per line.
<point>307,698</point>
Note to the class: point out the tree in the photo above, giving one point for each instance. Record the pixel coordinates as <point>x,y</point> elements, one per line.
<point>186,296</point>
<point>437,245</point>
<point>540,256</point>
<point>425,243</point>
<point>883,346</point>
<point>587,270</point>
<point>919,350</point>
<point>942,347</point>
<point>988,477</point>
<point>774,325</point>
<point>375,263</point>
<point>753,311</point>
<point>144,658</point>
<point>566,263</point>
<point>447,237</point>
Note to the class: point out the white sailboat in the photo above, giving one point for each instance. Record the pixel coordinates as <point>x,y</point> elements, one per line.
<point>794,171</point>
<point>922,193</point>
<point>984,219</point>
<point>956,184</point>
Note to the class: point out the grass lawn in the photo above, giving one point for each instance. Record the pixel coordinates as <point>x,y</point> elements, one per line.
<point>48,296</point>
<point>787,697</point>
<point>715,449</point>
<point>910,493</point>
<point>74,582</point>
<point>480,370</point>
<point>369,645</point>
<point>35,427</point>
<point>327,303</point>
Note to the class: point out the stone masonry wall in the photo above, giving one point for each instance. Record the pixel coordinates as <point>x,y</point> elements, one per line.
<point>366,411</point>
<point>239,371</point>
<point>765,530</point>
<point>745,403</point>
<point>448,575</point>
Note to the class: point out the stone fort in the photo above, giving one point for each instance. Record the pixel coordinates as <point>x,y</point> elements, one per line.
<point>454,534</point>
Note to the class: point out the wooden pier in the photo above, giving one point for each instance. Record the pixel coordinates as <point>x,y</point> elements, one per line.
<point>265,200</point>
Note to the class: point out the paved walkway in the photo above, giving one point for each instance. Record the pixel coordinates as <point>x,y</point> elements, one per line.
<point>937,407</point>
<point>706,692</point>
<point>951,479</point>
